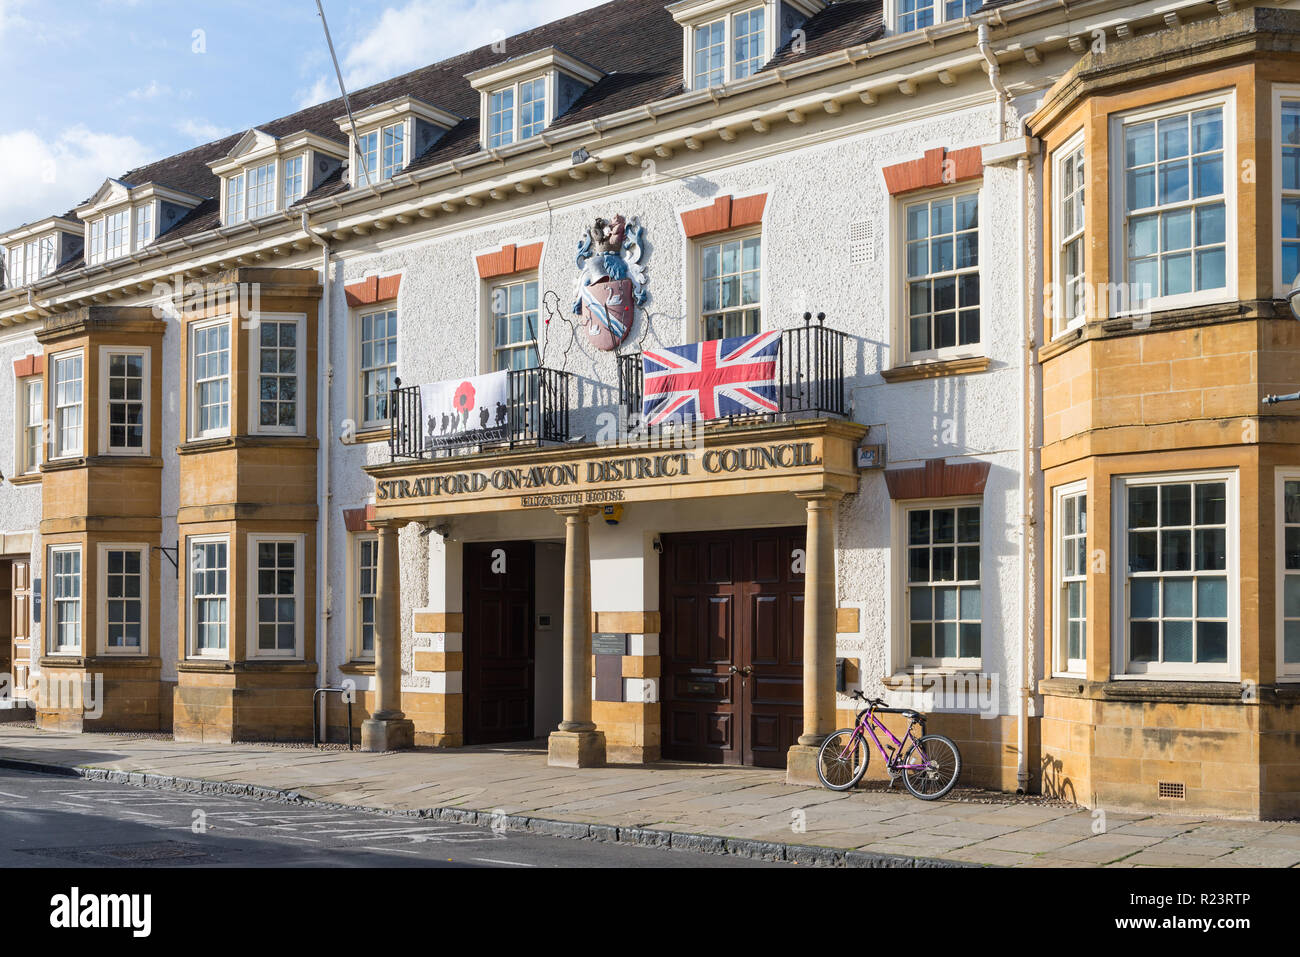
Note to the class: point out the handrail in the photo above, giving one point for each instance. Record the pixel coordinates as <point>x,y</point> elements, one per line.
<point>315,714</point>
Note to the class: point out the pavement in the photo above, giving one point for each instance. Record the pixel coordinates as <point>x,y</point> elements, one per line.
<point>53,821</point>
<point>747,812</point>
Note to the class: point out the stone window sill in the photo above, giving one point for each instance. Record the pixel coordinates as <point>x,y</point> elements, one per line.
<point>936,680</point>
<point>31,478</point>
<point>358,668</point>
<point>936,369</point>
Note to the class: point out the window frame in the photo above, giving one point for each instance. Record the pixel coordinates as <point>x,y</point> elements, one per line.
<point>494,350</point>
<point>976,349</point>
<point>192,385</point>
<point>23,423</point>
<point>105,400</point>
<point>1062,664</point>
<point>359,372</point>
<point>902,619</point>
<point>355,617</point>
<point>516,89</point>
<point>55,451</point>
<point>698,331</point>
<point>895,14</point>
<point>102,598</point>
<point>302,158</point>
<point>376,173</point>
<point>1121,667</point>
<point>1281,92</point>
<point>1283,474</point>
<point>1118,239</point>
<point>1061,324</point>
<point>729,62</point>
<point>299,542</point>
<point>192,649</point>
<point>52,638</point>
<point>255,374</point>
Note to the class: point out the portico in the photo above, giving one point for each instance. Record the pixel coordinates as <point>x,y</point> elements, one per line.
<point>735,478</point>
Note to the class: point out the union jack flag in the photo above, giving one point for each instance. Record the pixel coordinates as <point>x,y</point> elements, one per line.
<point>712,380</point>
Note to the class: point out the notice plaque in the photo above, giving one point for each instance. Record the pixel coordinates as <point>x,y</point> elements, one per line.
<point>608,643</point>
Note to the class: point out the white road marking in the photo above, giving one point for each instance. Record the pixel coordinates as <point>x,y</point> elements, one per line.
<point>489,860</point>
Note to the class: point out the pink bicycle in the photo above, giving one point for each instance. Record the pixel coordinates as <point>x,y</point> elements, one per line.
<point>928,764</point>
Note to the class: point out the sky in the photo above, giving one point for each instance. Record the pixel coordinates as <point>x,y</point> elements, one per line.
<point>94,88</point>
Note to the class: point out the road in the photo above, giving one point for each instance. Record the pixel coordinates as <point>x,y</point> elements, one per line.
<point>56,821</point>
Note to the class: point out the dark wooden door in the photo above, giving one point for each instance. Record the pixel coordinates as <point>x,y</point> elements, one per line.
<point>20,621</point>
<point>732,638</point>
<point>499,642</point>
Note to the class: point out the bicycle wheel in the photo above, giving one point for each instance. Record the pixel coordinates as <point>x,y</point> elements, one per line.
<point>942,765</point>
<point>842,761</point>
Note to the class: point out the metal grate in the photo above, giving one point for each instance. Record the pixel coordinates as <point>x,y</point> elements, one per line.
<point>1171,790</point>
<point>862,243</point>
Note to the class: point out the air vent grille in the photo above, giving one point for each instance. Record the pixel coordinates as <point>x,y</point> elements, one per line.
<point>862,243</point>
<point>1171,790</point>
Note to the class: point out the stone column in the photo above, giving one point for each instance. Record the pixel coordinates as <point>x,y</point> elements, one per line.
<point>387,728</point>
<point>577,743</point>
<point>818,637</point>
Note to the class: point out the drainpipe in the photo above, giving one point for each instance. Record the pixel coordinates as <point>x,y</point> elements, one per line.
<point>995,75</point>
<point>1027,574</point>
<point>325,433</point>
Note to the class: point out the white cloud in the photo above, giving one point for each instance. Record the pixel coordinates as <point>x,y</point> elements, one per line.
<point>421,32</point>
<point>201,131</point>
<point>150,92</point>
<point>52,176</point>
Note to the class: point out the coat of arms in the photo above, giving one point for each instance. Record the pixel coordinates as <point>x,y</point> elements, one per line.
<point>612,282</point>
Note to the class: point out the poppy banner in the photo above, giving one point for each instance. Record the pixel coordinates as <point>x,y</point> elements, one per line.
<point>470,411</point>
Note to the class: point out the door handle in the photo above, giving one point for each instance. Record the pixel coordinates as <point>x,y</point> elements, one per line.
<point>747,671</point>
<point>731,670</point>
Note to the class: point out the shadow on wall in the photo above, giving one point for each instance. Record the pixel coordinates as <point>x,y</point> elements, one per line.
<point>1053,783</point>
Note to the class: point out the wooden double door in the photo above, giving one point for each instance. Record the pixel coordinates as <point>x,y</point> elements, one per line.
<point>499,642</point>
<point>731,645</point>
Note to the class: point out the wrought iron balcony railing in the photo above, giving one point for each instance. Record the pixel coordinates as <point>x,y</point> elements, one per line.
<point>810,374</point>
<point>537,412</point>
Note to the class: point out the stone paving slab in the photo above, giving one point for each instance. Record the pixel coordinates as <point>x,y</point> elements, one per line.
<point>718,806</point>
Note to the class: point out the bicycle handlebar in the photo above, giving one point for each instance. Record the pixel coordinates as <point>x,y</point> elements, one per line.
<point>874,702</point>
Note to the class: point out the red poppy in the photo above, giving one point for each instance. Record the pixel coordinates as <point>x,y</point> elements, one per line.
<point>464,398</point>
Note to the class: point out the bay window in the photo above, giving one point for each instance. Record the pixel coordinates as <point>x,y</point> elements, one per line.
<point>1288,565</point>
<point>276,348</point>
<point>209,608</point>
<point>1176,203</point>
<point>65,595</point>
<point>1176,540</point>
<point>210,379</point>
<point>67,387</point>
<point>1287,198</point>
<point>275,590</point>
<point>124,417</point>
<point>123,606</point>
<point>1071,176</point>
<point>1071,592</point>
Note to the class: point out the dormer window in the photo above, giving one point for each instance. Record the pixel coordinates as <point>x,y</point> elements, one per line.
<point>918,14</point>
<point>531,114</point>
<point>263,175</point>
<point>122,219</point>
<point>381,165</point>
<point>390,135</point>
<point>522,97</point>
<point>29,261</point>
<point>729,41</point>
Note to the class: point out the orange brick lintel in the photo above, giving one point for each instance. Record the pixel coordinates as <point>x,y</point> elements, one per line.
<point>726,213</point>
<point>358,519</point>
<point>29,366</point>
<point>938,167</point>
<point>937,479</point>
<point>509,259</point>
<point>373,289</point>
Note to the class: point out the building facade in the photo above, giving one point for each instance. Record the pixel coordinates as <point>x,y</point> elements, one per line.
<point>233,483</point>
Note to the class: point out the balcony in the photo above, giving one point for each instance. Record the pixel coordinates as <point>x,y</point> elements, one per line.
<point>810,377</point>
<point>537,412</point>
